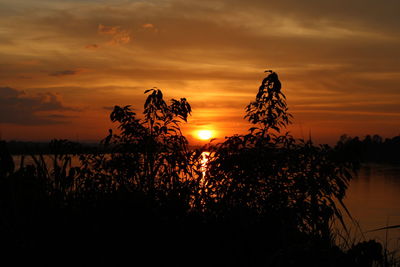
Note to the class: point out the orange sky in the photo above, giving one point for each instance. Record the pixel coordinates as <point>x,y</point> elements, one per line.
<point>64,64</point>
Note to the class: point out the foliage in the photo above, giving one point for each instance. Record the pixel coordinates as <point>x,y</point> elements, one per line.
<point>274,174</point>
<point>370,149</point>
<point>149,155</point>
<point>263,198</point>
<point>269,110</point>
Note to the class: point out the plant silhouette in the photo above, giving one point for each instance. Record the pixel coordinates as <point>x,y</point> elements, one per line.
<point>262,199</point>
<point>273,174</point>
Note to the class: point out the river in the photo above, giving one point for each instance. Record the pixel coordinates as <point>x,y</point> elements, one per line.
<point>373,199</point>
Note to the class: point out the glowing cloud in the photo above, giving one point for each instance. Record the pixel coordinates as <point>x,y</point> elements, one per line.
<point>118,35</point>
<point>148,26</point>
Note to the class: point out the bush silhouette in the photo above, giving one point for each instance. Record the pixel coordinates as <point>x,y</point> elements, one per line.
<point>262,199</point>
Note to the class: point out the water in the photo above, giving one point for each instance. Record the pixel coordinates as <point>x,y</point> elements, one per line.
<point>373,199</point>
<point>28,160</point>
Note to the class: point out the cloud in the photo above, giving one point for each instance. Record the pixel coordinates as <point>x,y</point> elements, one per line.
<point>92,46</point>
<point>64,73</point>
<point>110,30</point>
<point>24,77</point>
<point>215,51</point>
<point>16,107</point>
<point>148,26</point>
<point>118,35</point>
<point>108,108</point>
<point>29,62</point>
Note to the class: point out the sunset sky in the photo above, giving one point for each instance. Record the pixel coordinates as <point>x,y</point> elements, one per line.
<point>65,63</point>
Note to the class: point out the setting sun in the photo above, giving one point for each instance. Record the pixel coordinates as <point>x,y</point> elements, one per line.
<point>204,134</point>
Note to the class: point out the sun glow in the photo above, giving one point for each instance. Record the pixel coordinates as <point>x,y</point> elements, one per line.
<point>204,134</point>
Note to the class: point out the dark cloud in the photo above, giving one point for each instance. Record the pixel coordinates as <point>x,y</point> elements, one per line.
<point>16,107</point>
<point>63,73</point>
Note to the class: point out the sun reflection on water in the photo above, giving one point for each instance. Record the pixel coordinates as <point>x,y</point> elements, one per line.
<point>205,155</point>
